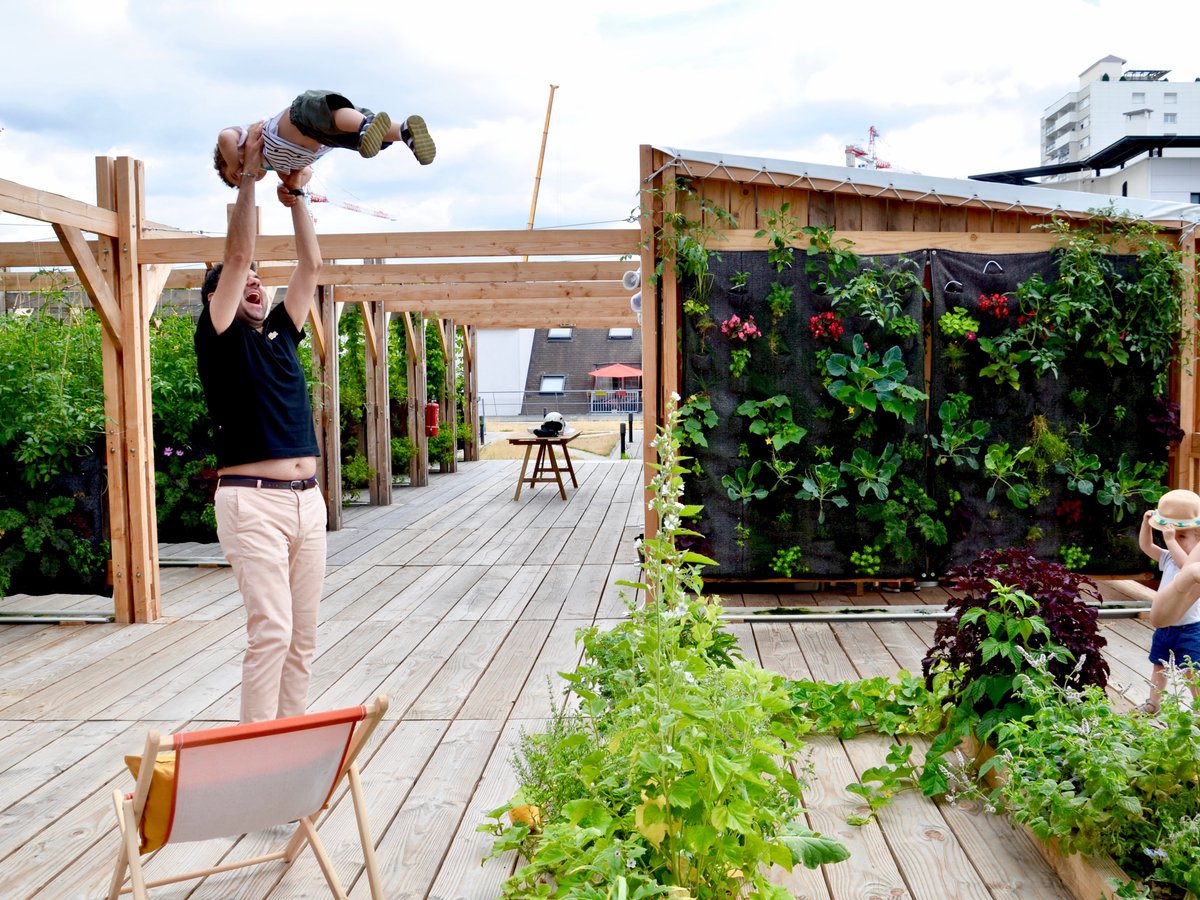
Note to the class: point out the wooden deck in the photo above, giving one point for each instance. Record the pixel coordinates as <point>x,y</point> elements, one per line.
<point>459,603</point>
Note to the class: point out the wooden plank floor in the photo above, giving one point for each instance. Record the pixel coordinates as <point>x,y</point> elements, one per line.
<point>460,604</point>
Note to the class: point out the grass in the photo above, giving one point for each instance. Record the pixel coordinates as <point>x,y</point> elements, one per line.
<point>598,437</point>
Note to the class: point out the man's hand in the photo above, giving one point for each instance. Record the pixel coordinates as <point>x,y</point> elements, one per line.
<point>287,197</point>
<point>252,151</point>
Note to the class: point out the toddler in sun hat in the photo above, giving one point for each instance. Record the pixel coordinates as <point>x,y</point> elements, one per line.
<point>1177,519</point>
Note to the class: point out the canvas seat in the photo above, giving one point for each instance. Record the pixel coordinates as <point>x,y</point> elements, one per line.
<point>229,781</point>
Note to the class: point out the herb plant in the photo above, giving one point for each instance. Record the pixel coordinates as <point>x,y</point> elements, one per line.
<point>675,774</point>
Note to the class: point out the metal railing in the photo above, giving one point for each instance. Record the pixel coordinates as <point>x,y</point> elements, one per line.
<point>534,404</point>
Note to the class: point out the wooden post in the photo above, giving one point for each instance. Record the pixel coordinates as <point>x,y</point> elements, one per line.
<point>1186,461</point>
<point>654,296</point>
<point>450,406</point>
<point>133,526</point>
<point>327,415</point>
<point>470,394</point>
<point>379,425</point>
<point>414,334</point>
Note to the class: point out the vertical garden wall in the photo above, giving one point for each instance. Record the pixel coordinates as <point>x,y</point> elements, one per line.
<point>885,403</point>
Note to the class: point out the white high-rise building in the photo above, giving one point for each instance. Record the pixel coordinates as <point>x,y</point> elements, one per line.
<point>1123,132</point>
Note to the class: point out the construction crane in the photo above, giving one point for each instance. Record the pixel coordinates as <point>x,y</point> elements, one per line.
<point>858,158</point>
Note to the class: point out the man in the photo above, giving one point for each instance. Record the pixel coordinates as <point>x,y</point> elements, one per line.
<point>271,518</point>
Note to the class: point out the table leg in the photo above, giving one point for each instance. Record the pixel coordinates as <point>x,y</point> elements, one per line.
<point>570,468</point>
<point>562,491</point>
<point>524,465</point>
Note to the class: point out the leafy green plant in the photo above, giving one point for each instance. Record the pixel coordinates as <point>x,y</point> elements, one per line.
<point>442,449</point>
<point>864,381</point>
<point>695,417</point>
<point>866,560</point>
<point>878,294</point>
<point>1097,781</point>
<point>821,483</point>
<point>682,235</point>
<point>46,540</point>
<point>403,450</point>
<point>906,521</point>
<point>901,704</point>
<point>356,473</point>
<point>779,301</point>
<point>1075,557</point>
<point>741,485</point>
<point>674,756</point>
<point>958,323</point>
<point>781,229</point>
<point>872,473</point>
<point>772,419</point>
<point>1131,486</point>
<point>1003,466</point>
<point>960,440</point>
<point>1011,613</point>
<point>789,561</point>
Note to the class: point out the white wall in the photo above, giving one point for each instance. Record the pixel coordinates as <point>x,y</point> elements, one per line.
<point>502,366</point>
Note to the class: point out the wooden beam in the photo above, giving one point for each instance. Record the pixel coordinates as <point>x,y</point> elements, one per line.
<point>492,291</point>
<point>55,209</point>
<point>370,337</point>
<point>278,273</point>
<point>407,245</point>
<point>93,280</point>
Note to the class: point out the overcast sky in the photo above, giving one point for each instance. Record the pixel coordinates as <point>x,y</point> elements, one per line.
<point>955,88</point>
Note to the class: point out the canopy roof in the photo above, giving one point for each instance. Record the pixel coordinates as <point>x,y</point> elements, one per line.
<point>616,370</point>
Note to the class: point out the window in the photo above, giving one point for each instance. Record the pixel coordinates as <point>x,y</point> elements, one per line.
<point>1085,142</point>
<point>620,334</point>
<point>1170,99</point>
<point>558,334</point>
<point>1195,198</point>
<point>1138,97</point>
<point>1170,118</point>
<point>1085,122</point>
<point>1085,102</point>
<point>552,384</point>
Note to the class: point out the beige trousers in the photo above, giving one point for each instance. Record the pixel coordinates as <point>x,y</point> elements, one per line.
<point>275,542</point>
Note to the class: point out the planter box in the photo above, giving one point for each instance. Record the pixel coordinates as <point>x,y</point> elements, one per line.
<point>1086,877</point>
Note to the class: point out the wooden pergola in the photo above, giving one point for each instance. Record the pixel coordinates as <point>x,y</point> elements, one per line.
<point>529,279</point>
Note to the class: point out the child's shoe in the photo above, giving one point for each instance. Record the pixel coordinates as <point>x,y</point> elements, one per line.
<point>372,132</point>
<point>414,133</point>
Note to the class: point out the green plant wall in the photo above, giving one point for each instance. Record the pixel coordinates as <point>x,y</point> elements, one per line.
<point>854,417</point>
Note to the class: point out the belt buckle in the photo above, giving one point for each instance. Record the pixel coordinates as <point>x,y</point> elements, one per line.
<point>298,484</point>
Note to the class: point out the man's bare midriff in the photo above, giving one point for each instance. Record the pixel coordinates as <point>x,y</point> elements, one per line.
<point>282,469</point>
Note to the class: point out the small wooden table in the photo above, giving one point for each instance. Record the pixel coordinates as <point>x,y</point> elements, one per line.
<point>546,469</point>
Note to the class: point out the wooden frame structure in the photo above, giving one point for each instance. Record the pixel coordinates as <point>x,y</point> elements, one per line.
<point>527,279</point>
<point>880,212</point>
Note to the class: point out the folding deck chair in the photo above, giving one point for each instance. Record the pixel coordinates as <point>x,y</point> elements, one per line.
<point>229,781</point>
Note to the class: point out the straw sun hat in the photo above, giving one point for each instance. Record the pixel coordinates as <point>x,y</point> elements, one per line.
<point>1180,509</point>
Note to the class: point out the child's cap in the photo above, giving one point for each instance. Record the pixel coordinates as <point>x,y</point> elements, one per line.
<point>1180,509</point>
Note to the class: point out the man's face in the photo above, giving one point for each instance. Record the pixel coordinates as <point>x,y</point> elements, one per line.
<point>253,308</point>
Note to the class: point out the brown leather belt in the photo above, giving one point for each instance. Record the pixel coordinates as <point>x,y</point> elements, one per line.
<point>302,484</point>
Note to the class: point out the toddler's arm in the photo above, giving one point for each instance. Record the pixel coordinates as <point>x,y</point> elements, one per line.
<point>1146,538</point>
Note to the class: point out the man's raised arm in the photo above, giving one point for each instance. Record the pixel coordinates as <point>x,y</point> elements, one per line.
<point>303,283</point>
<point>239,238</point>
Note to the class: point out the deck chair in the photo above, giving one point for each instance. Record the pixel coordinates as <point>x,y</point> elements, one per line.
<point>229,781</point>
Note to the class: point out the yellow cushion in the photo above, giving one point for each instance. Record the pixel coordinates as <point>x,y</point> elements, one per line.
<point>156,820</point>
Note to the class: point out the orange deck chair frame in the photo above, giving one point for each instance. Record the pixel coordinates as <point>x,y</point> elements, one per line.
<point>229,781</point>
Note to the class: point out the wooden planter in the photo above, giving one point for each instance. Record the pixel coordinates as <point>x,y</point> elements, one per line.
<point>1086,877</point>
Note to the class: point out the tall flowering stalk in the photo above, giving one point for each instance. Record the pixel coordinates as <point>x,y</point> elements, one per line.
<point>671,778</point>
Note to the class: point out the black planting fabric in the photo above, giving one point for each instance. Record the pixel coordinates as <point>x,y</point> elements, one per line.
<point>744,537</point>
<point>1092,407</point>
<point>1095,408</point>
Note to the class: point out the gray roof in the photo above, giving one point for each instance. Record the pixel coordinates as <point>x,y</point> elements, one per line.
<point>950,191</point>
